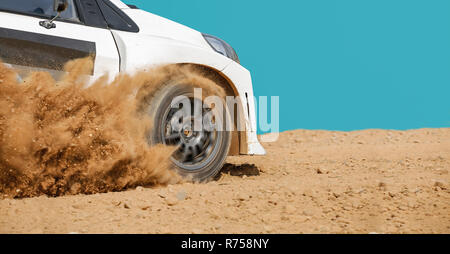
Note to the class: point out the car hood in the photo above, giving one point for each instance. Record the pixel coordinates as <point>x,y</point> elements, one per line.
<point>154,25</point>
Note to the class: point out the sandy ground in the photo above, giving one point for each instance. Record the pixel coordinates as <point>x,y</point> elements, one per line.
<point>310,182</point>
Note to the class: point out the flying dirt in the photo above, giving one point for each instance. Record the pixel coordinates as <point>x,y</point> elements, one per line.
<point>65,137</point>
<point>58,138</point>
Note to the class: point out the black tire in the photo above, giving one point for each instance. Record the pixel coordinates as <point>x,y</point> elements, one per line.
<point>207,160</point>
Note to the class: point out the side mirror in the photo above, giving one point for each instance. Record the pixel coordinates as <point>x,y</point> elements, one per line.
<point>59,5</point>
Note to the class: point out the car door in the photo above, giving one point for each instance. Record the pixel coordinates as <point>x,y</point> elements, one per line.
<point>80,31</point>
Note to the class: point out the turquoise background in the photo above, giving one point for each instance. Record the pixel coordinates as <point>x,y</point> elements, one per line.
<point>336,65</point>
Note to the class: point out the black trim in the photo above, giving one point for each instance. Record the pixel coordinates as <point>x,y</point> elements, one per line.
<point>90,13</point>
<point>116,18</point>
<point>132,6</point>
<point>40,50</point>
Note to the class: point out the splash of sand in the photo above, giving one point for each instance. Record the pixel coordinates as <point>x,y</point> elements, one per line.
<point>59,137</point>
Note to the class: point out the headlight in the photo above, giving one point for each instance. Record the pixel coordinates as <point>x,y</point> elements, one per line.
<point>221,47</point>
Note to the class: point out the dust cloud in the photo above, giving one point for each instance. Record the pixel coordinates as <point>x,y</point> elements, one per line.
<point>64,137</point>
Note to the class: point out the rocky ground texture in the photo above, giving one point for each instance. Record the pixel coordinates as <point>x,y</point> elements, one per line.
<point>373,181</point>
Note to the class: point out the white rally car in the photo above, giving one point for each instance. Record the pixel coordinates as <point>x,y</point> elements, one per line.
<point>45,34</point>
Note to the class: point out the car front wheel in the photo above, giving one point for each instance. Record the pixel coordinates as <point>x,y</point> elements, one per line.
<point>200,152</point>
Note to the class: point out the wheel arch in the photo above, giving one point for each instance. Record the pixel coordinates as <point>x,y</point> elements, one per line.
<point>239,138</point>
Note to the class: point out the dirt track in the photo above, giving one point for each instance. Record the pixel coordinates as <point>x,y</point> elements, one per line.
<point>310,182</point>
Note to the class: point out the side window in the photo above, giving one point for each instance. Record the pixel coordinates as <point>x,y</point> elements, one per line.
<point>42,8</point>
